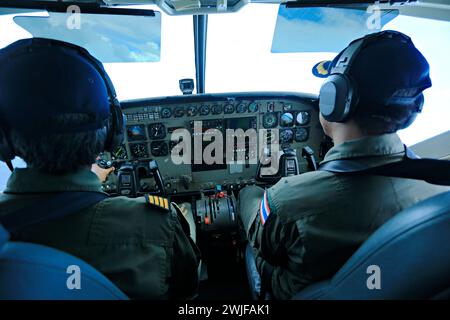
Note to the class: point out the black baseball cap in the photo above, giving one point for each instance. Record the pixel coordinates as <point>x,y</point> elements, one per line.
<point>390,71</point>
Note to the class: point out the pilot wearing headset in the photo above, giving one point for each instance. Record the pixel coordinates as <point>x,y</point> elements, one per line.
<point>58,111</point>
<point>305,227</point>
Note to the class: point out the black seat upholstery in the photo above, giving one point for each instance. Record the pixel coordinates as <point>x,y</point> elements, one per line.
<point>412,251</point>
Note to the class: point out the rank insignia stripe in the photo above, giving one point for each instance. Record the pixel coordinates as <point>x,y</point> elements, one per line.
<point>158,202</point>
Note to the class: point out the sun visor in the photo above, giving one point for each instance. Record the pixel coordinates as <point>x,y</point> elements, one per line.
<point>108,37</point>
<point>325,29</point>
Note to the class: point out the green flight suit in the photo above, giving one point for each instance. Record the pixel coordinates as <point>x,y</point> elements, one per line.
<point>318,219</point>
<point>145,251</point>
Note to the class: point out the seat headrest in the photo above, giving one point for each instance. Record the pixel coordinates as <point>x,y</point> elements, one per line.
<point>4,235</point>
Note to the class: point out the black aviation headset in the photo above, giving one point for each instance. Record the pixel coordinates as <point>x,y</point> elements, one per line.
<point>339,93</point>
<point>115,123</point>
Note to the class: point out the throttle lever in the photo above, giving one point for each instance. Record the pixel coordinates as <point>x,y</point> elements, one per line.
<point>154,169</point>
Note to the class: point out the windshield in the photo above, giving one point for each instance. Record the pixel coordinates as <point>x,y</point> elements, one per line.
<point>172,59</point>
<point>141,80</point>
<point>239,58</point>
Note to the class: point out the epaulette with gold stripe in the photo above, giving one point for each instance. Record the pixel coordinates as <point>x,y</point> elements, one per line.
<point>158,202</point>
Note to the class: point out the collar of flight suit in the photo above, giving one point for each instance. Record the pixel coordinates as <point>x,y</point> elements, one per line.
<point>374,147</point>
<point>27,180</point>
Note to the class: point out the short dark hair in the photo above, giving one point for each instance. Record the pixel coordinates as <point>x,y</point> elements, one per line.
<point>60,153</point>
<point>390,121</point>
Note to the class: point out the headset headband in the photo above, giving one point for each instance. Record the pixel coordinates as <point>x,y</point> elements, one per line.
<point>347,56</point>
<point>94,62</point>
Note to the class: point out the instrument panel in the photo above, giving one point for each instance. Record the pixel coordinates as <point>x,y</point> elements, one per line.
<point>151,126</point>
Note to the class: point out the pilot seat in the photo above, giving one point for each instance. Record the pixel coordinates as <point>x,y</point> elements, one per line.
<point>34,272</point>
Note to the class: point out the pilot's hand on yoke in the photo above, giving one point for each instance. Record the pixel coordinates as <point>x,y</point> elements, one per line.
<point>101,173</point>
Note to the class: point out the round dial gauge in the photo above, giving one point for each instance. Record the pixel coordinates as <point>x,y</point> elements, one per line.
<point>204,110</point>
<point>253,107</point>
<point>217,109</point>
<point>159,148</point>
<point>139,150</point>
<point>157,131</point>
<point>191,111</point>
<point>301,134</point>
<point>303,118</point>
<point>286,136</point>
<point>229,108</point>
<point>241,108</point>
<point>270,120</point>
<point>179,112</point>
<point>287,119</point>
<point>166,113</point>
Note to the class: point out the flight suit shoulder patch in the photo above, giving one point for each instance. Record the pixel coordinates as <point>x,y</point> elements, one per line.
<point>265,208</point>
<point>158,202</point>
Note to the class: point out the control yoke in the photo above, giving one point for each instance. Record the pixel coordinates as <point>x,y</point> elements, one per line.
<point>288,166</point>
<point>129,176</point>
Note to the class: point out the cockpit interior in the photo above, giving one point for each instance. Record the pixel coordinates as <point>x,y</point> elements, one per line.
<point>201,83</point>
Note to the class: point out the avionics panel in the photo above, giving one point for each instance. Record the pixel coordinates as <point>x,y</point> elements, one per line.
<point>151,124</point>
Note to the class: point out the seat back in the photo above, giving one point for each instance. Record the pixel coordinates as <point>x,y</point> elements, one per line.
<point>412,252</point>
<point>35,272</point>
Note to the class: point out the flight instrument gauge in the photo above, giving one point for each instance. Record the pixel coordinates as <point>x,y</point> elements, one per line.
<point>179,112</point>
<point>301,134</point>
<point>303,118</point>
<point>157,131</point>
<point>139,150</point>
<point>286,136</point>
<point>253,107</point>
<point>191,111</point>
<point>159,148</point>
<point>228,109</point>
<point>270,120</point>
<point>287,119</point>
<point>241,108</point>
<point>166,113</point>
<point>204,110</point>
<point>217,109</point>
<point>136,133</point>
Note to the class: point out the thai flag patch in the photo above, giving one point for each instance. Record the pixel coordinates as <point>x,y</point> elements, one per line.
<point>264,210</point>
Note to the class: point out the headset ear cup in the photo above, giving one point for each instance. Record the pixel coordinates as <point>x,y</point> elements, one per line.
<point>116,127</point>
<point>327,99</point>
<point>336,98</point>
<point>408,121</point>
<point>418,108</point>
